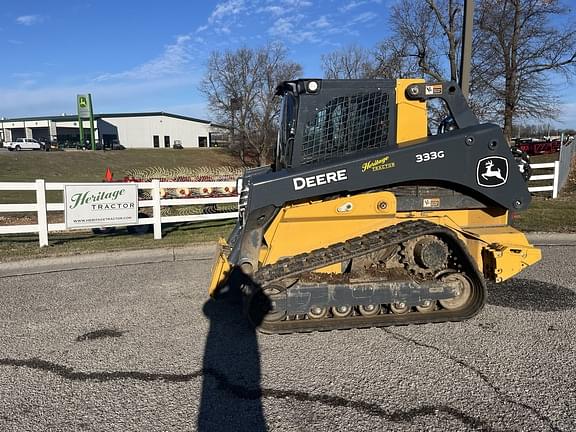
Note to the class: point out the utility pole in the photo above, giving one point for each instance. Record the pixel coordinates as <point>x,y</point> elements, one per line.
<point>466,53</point>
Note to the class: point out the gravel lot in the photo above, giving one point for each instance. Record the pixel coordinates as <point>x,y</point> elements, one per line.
<point>139,348</point>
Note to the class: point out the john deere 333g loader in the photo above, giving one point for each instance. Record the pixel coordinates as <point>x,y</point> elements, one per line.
<point>366,220</point>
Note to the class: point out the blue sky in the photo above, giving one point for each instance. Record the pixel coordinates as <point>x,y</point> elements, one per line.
<point>150,56</point>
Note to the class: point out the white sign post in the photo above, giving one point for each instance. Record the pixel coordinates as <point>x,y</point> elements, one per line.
<point>89,205</point>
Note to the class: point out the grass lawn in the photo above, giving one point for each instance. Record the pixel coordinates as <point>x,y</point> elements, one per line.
<point>19,246</point>
<point>90,166</point>
<point>547,214</point>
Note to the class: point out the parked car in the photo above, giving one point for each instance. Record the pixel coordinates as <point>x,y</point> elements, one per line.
<point>25,144</point>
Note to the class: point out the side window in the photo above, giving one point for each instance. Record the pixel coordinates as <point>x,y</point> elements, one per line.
<point>345,125</point>
<point>286,131</point>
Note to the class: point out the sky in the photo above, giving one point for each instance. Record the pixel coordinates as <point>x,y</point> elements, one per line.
<point>135,56</point>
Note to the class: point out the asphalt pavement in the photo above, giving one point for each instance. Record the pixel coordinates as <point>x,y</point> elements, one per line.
<point>139,347</point>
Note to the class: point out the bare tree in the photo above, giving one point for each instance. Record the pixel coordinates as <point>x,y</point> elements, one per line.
<point>426,40</point>
<point>391,60</point>
<point>518,46</point>
<point>351,62</point>
<point>240,87</point>
<point>426,32</point>
<point>517,50</point>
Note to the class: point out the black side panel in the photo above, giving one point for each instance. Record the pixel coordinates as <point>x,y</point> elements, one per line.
<point>475,159</point>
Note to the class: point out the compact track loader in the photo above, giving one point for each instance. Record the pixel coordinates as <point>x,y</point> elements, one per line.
<point>365,219</point>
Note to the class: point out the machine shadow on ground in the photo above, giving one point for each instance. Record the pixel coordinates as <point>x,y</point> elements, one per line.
<point>231,388</point>
<point>531,295</point>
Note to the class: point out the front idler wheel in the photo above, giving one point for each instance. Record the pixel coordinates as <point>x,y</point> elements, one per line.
<point>463,291</point>
<point>263,308</point>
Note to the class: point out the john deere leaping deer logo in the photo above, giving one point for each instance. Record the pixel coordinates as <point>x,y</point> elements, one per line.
<point>492,171</point>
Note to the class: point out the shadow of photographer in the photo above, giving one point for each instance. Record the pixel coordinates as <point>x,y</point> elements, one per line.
<point>231,389</point>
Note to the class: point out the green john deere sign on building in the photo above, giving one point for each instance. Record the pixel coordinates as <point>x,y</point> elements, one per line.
<point>84,104</point>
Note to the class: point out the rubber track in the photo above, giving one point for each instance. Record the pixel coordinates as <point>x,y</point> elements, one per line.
<point>375,241</point>
<point>353,248</point>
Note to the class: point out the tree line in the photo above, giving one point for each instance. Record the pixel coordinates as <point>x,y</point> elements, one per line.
<point>524,51</point>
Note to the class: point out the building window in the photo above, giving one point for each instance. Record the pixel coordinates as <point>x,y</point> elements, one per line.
<point>166,141</point>
<point>202,141</point>
<point>156,141</point>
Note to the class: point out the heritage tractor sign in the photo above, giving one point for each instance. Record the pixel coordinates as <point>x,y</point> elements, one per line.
<point>100,205</point>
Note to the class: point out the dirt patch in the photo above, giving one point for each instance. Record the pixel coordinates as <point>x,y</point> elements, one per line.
<point>100,334</point>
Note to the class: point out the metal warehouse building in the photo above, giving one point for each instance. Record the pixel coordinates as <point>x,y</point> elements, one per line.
<point>130,130</point>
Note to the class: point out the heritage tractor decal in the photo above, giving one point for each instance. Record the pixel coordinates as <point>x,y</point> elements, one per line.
<point>378,164</point>
<point>492,171</point>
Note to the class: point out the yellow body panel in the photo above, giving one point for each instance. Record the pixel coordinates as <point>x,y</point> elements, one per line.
<point>503,251</point>
<point>220,268</point>
<point>412,116</point>
<point>305,227</point>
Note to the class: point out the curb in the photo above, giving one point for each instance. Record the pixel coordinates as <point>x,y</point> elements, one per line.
<point>551,239</point>
<point>111,259</point>
<point>203,251</point>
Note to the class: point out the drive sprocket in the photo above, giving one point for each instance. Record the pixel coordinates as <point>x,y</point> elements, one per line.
<point>424,256</point>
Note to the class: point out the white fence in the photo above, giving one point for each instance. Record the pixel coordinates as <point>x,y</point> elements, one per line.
<point>41,207</point>
<point>539,177</point>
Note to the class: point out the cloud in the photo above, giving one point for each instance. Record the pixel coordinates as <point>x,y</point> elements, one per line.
<point>364,17</point>
<point>273,10</point>
<point>356,4</point>
<point>29,20</point>
<point>290,28</point>
<point>320,23</point>
<point>282,17</point>
<point>111,97</point>
<point>26,79</point>
<point>296,28</point>
<point>351,5</point>
<point>283,27</point>
<point>224,9</point>
<point>25,75</point>
<point>171,62</point>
